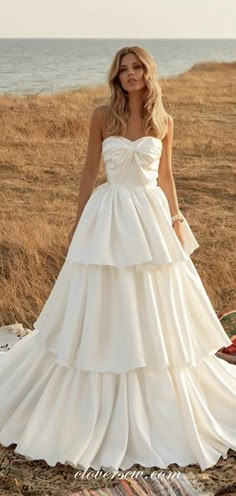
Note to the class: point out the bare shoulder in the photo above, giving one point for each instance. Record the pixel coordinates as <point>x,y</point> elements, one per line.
<point>170,127</point>
<point>104,109</point>
<point>101,112</point>
<point>99,118</point>
<point>104,114</point>
<point>170,122</point>
<point>97,114</point>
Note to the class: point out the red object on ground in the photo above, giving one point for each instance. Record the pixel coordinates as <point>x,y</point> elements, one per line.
<point>231,349</point>
<point>229,315</point>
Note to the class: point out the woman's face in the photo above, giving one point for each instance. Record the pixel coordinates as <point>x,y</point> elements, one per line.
<point>131,68</point>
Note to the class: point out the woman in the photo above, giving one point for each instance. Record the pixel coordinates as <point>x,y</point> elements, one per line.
<point>121,367</point>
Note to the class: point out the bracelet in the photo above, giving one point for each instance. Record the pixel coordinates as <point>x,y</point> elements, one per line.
<point>178,216</point>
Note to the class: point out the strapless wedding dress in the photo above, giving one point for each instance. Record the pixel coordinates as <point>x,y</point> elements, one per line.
<point>120,367</point>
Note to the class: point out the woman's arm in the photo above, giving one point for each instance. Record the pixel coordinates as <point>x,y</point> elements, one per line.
<point>92,161</point>
<point>165,173</point>
<point>166,179</point>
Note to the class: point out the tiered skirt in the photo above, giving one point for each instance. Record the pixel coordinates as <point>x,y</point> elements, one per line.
<point>120,367</point>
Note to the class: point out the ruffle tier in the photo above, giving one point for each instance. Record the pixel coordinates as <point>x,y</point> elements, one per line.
<point>86,419</point>
<point>120,367</point>
<point>129,227</point>
<point>104,319</point>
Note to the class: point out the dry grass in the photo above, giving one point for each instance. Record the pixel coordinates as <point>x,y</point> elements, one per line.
<point>43,141</point>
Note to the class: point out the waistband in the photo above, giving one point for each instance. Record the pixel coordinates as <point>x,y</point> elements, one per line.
<point>126,187</point>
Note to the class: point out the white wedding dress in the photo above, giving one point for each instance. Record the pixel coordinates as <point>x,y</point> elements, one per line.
<point>120,367</point>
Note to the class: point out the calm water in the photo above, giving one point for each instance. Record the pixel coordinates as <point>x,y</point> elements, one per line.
<point>51,65</point>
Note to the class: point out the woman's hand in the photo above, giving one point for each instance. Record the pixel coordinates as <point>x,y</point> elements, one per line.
<point>179,231</point>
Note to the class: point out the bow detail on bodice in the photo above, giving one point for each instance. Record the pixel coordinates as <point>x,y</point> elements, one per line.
<point>132,164</point>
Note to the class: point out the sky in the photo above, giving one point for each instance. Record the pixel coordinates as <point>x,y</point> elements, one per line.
<point>118,19</point>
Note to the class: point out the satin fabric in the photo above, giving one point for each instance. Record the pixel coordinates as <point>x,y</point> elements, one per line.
<point>120,367</point>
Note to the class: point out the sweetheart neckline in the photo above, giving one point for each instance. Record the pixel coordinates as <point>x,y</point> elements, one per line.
<point>131,141</point>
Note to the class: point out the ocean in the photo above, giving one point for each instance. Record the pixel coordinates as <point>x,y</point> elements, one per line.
<point>31,66</point>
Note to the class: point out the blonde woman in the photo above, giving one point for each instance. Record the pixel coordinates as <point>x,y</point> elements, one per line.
<point>121,367</point>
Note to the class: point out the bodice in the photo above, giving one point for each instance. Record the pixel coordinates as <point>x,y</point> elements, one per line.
<point>131,164</point>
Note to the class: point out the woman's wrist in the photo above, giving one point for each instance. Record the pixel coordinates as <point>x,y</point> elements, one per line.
<point>177,218</point>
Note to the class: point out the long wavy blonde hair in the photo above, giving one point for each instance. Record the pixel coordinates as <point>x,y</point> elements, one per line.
<point>154,116</point>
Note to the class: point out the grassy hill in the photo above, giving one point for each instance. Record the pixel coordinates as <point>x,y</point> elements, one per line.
<point>43,141</point>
